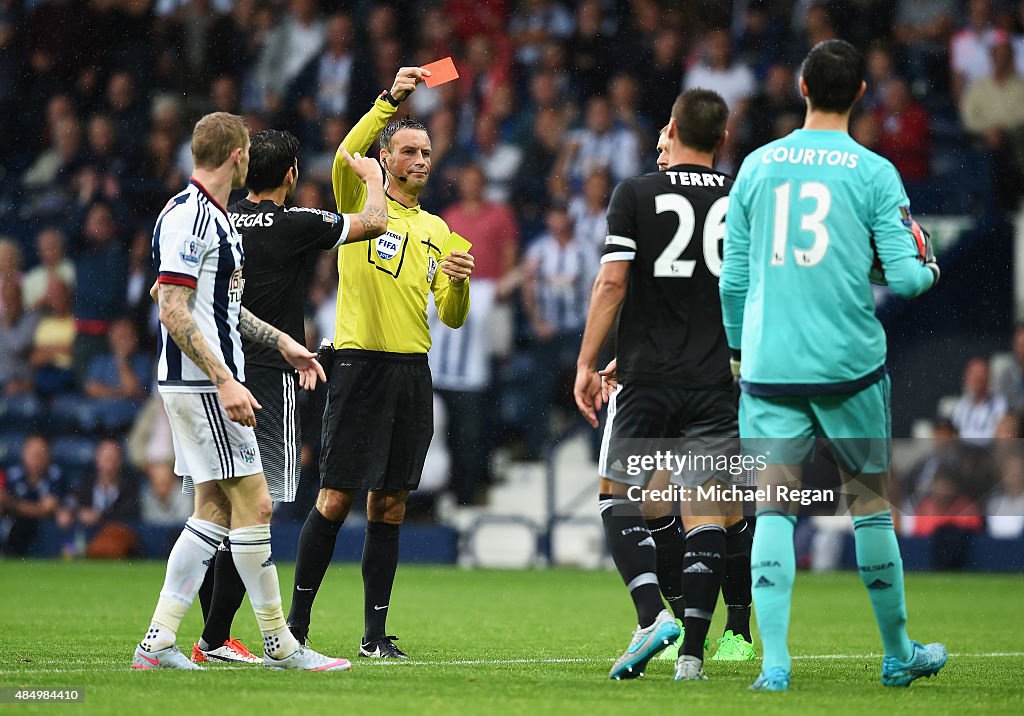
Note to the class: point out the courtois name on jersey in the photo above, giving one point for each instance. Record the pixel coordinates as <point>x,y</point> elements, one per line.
<point>195,245</point>
<point>670,225</point>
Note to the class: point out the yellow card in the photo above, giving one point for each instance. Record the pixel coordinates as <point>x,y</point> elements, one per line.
<point>456,243</point>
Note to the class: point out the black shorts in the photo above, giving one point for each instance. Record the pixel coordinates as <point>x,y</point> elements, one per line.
<point>277,428</point>
<point>645,419</point>
<point>378,421</point>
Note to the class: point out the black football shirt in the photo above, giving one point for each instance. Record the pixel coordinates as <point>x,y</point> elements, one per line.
<point>281,246</point>
<point>670,225</point>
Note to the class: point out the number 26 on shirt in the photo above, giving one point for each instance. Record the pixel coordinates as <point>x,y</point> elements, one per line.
<point>668,264</point>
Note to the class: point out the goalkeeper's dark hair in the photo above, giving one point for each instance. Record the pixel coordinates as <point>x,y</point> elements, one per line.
<point>833,71</point>
<point>700,116</point>
<point>271,155</point>
<point>395,125</point>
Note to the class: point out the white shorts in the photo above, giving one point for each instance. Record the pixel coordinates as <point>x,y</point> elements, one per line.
<point>207,444</point>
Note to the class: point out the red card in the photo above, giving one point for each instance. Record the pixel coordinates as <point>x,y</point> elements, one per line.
<point>440,72</point>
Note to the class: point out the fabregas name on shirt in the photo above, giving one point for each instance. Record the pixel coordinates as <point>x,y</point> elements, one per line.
<point>247,220</point>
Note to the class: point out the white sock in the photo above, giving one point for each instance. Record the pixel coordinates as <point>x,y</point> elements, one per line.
<point>186,567</point>
<point>250,548</point>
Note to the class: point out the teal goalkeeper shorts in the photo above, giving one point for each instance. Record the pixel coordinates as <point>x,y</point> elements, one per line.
<point>857,425</point>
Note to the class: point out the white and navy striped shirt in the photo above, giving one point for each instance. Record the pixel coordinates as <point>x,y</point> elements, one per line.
<point>460,359</point>
<point>564,276</point>
<point>195,245</point>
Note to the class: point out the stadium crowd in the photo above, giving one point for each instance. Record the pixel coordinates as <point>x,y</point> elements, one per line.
<point>555,104</point>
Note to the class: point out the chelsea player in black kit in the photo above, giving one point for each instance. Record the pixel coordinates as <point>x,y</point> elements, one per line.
<point>660,265</point>
<point>282,245</point>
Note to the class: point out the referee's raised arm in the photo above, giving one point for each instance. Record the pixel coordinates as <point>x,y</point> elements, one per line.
<point>349,189</point>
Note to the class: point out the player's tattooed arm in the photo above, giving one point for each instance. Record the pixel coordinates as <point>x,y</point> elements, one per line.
<point>372,221</point>
<point>258,331</point>
<point>176,303</point>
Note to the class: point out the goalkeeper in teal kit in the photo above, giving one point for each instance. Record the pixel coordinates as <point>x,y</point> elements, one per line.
<point>811,217</point>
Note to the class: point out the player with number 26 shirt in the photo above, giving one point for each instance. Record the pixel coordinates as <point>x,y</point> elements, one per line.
<point>660,266</point>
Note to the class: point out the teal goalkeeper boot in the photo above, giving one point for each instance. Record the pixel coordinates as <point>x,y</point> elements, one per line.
<point>924,661</point>
<point>774,679</point>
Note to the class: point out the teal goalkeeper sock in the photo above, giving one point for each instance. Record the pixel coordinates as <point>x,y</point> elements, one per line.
<point>881,570</point>
<point>772,572</point>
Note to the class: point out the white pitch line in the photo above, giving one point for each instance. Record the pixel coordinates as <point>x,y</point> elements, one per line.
<point>28,671</point>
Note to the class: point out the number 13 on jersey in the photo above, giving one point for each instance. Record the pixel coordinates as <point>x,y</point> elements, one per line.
<point>812,222</point>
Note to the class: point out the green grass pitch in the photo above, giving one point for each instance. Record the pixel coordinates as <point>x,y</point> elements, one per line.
<point>495,642</point>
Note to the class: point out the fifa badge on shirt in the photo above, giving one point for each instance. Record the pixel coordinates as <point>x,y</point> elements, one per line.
<point>387,245</point>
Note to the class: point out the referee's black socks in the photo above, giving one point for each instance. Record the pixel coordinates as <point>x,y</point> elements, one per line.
<point>632,549</point>
<point>703,563</point>
<point>380,562</point>
<point>316,548</point>
<point>668,538</point>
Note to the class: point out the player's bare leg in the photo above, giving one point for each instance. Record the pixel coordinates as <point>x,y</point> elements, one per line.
<point>881,570</point>
<point>186,567</point>
<point>315,551</point>
<point>385,512</point>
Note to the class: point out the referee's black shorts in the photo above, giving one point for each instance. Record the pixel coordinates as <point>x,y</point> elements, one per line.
<point>378,421</point>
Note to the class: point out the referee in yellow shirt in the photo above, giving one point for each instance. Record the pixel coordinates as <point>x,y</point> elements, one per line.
<point>379,416</point>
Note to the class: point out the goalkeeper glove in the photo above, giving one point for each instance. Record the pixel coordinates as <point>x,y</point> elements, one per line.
<point>734,364</point>
<point>925,249</point>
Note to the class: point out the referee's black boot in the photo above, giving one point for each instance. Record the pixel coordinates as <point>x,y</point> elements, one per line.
<point>382,649</point>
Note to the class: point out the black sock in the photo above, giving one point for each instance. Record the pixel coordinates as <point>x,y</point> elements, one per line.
<point>703,563</point>
<point>669,541</point>
<point>228,592</point>
<point>206,588</point>
<point>380,562</point>
<point>632,549</point>
<point>736,579</point>
<point>316,548</point>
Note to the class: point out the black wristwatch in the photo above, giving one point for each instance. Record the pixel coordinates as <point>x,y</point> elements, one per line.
<point>389,98</point>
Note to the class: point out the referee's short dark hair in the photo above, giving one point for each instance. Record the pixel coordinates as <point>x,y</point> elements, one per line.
<point>271,155</point>
<point>833,71</point>
<point>700,116</point>
<point>395,125</point>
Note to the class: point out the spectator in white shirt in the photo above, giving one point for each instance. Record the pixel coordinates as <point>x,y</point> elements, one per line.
<point>1009,382</point>
<point>969,54</point>
<point>292,43</point>
<point>589,212</point>
<point>599,145</point>
<point>54,265</point>
<point>499,159</point>
<point>1004,513</point>
<point>717,71</point>
<point>979,411</point>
